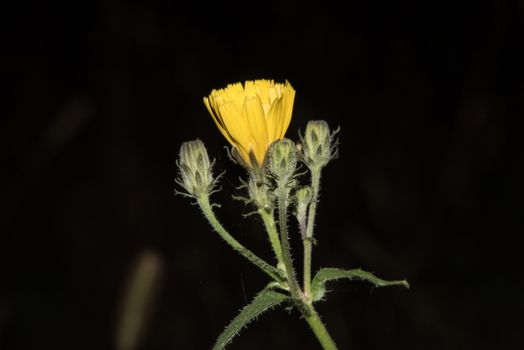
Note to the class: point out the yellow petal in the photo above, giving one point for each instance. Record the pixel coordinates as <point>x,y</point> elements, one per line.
<point>273,93</point>
<point>288,98</point>
<point>236,125</point>
<point>245,157</point>
<point>249,90</point>
<point>262,87</point>
<point>273,118</point>
<point>218,122</point>
<point>254,114</point>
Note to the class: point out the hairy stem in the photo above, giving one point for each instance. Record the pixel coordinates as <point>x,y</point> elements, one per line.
<point>283,194</point>
<point>203,202</point>
<point>308,239</point>
<point>313,319</point>
<point>271,228</point>
<point>307,267</point>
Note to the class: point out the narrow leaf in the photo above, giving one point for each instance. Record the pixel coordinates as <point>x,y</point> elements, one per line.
<point>265,300</point>
<point>318,285</point>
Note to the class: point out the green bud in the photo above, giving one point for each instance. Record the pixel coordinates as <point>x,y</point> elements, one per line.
<point>194,169</point>
<point>318,146</point>
<point>282,159</point>
<point>303,197</point>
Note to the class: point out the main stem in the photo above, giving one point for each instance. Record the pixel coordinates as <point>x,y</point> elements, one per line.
<point>308,240</point>
<point>318,328</point>
<point>203,202</point>
<point>283,194</point>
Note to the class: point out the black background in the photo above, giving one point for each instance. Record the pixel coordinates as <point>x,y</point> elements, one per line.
<point>98,97</point>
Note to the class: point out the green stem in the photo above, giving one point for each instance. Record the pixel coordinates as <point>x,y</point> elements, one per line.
<point>307,268</point>
<point>283,194</point>
<point>318,328</point>
<point>271,228</point>
<point>308,240</point>
<point>203,202</point>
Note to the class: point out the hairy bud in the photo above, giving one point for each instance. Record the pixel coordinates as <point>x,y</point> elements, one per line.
<point>303,197</point>
<point>195,168</point>
<point>318,144</point>
<point>282,159</point>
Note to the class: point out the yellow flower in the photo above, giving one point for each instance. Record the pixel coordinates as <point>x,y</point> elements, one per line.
<point>252,116</point>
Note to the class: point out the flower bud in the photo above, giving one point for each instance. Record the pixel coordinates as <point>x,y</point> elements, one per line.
<point>303,197</point>
<point>317,144</point>
<point>282,159</point>
<point>195,169</point>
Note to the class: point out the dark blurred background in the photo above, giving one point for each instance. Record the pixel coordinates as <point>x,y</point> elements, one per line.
<point>99,95</point>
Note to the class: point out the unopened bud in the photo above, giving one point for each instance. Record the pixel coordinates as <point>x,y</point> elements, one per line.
<point>318,144</point>
<point>282,159</point>
<point>302,198</point>
<point>195,169</point>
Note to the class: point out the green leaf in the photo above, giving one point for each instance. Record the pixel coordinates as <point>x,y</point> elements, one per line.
<point>265,300</point>
<point>318,285</point>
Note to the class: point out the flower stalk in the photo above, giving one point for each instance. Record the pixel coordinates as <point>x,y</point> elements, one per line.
<point>262,197</point>
<point>282,164</point>
<point>207,210</point>
<point>283,194</point>
<point>309,239</point>
<point>274,239</point>
<point>318,148</point>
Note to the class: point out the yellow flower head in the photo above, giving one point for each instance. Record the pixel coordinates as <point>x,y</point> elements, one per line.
<point>252,116</point>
